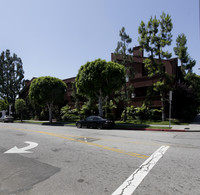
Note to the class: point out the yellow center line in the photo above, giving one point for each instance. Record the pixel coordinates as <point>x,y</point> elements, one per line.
<point>83,142</point>
<point>116,140</point>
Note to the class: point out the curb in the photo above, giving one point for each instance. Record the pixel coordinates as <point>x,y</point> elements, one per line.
<point>169,130</point>
<point>140,129</point>
<point>149,129</point>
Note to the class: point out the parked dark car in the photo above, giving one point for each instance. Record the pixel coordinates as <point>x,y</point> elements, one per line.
<point>7,118</point>
<point>95,122</point>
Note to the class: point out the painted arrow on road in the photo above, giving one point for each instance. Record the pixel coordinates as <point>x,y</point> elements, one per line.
<point>24,149</point>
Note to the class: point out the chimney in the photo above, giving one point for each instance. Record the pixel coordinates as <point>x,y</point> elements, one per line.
<point>138,52</point>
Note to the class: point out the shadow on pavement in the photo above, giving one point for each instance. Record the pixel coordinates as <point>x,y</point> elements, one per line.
<point>55,123</point>
<point>196,120</point>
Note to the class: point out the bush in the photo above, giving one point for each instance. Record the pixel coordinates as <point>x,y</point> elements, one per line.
<point>130,113</point>
<point>68,114</point>
<point>88,108</point>
<point>155,114</point>
<point>142,113</point>
<point>110,116</point>
<point>44,114</point>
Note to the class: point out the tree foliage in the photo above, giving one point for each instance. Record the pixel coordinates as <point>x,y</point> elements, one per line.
<point>126,54</point>
<point>20,107</point>
<point>123,47</point>
<point>11,76</point>
<point>99,78</point>
<point>187,63</point>
<point>187,92</point>
<point>3,104</point>
<point>68,114</point>
<point>142,113</point>
<point>89,107</point>
<point>47,91</point>
<point>181,50</point>
<point>185,102</point>
<point>154,37</point>
<point>77,97</point>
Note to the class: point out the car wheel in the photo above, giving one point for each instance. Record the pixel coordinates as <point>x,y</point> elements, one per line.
<point>99,126</point>
<point>79,125</point>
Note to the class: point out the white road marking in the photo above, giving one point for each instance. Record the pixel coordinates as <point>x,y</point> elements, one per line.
<point>24,149</point>
<point>129,186</point>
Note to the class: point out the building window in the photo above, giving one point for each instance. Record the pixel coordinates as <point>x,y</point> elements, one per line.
<point>141,92</point>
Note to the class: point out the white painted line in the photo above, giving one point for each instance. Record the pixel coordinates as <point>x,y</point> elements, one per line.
<point>129,186</point>
<point>24,149</point>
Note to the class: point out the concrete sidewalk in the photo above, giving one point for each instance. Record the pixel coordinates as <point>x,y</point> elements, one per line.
<point>190,127</point>
<point>186,128</point>
<point>193,127</point>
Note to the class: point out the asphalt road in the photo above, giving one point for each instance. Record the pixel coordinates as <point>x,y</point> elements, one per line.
<point>71,161</point>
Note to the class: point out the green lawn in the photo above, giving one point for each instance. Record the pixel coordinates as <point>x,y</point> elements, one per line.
<point>46,123</point>
<point>28,121</point>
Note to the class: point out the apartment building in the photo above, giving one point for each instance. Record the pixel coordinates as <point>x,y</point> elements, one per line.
<point>140,82</point>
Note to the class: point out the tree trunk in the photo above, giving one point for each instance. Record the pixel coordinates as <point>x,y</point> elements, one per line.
<point>100,103</point>
<point>125,104</point>
<point>106,106</point>
<point>50,112</point>
<point>163,108</point>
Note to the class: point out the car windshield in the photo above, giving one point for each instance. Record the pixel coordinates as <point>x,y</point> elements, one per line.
<point>97,118</point>
<point>91,118</point>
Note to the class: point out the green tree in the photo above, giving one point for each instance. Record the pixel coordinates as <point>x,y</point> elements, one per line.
<point>99,78</point>
<point>11,76</point>
<point>125,54</point>
<point>185,102</point>
<point>3,104</point>
<point>77,97</point>
<point>20,107</point>
<point>193,81</point>
<point>187,63</point>
<point>109,107</point>
<point>154,37</point>
<point>123,48</point>
<point>47,91</point>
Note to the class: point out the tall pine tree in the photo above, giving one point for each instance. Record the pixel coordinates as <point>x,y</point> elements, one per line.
<point>187,63</point>
<point>125,53</point>
<point>11,76</point>
<point>154,37</point>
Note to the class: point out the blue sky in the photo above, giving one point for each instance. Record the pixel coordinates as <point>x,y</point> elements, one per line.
<point>56,37</point>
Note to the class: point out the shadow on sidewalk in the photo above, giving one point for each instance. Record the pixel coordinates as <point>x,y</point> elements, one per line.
<point>196,120</point>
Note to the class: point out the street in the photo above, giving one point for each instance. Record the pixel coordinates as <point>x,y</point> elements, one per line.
<point>69,161</point>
